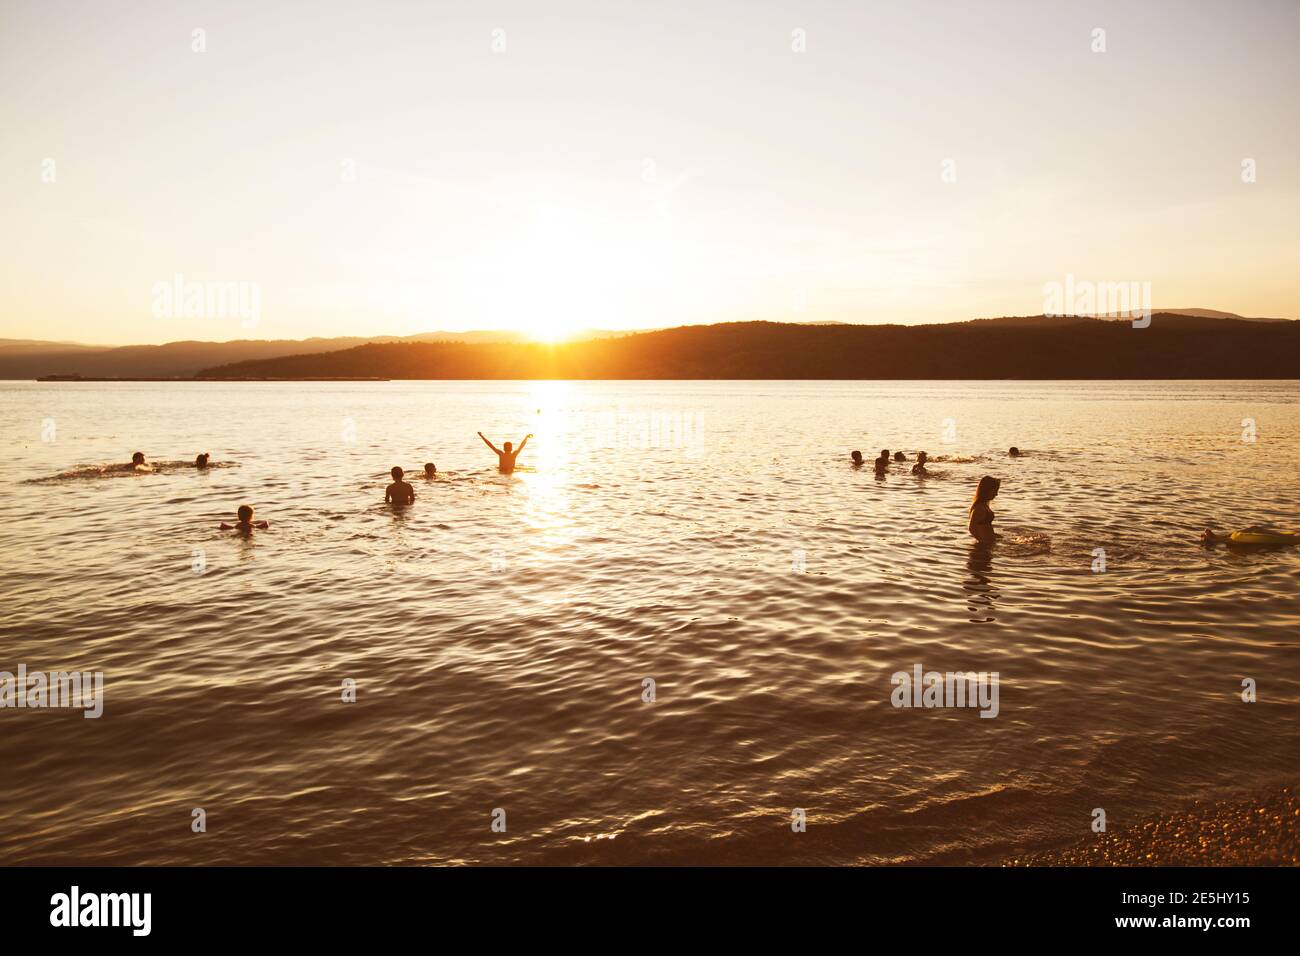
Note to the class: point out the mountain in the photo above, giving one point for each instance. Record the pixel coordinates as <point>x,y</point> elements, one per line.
<point>1215,314</point>
<point>1013,347</point>
<point>32,359</point>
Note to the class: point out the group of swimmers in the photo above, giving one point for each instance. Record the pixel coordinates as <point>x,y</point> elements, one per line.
<point>399,493</point>
<point>882,463</point>
<point>980,519</point>
<point>139,464</point>
<point>979,523</point>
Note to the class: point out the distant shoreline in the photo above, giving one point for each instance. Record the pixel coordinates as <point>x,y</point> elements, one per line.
<point>1015,348</point>
<point>106,378</point>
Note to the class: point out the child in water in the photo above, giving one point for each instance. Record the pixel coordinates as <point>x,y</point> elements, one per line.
<point>857,458</point>
<point>138,462</point>
<point>245,522</point>
<point>981,515</point>
<point>399,492</point>
<point>919,468</point>
<point>201,461</point>
<point>430,472</point>
<point>882,463</point>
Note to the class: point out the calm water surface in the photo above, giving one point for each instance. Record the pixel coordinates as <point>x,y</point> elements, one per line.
<point>499,631</point>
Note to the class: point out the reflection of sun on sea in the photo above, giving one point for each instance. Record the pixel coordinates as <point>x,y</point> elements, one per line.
<point>548,512</point>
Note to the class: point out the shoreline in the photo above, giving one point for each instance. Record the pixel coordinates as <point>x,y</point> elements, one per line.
<point>1260,830</point>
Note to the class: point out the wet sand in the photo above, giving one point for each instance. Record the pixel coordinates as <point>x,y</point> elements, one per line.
<point>1261,831</point>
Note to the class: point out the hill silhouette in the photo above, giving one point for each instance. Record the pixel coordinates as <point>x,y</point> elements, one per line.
<point>31,359</point>
<point>1024,347</point>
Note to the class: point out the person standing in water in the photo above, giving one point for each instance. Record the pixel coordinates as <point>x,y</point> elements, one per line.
<point>505,456</point>
<point>981,515</point>
<point>857,458</point>
<point>919,467</point>
<point>400,492</point>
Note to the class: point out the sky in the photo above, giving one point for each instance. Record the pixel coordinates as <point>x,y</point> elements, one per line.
<point>387,168</point>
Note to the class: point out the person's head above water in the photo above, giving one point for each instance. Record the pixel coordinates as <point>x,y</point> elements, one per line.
<point>1014,452</point>
<point>137,458</point>
<point>856,456</point>
<point>201,461</point>
<point>899,456</point>
<point>988,488</point>
<point>245,513</point>
<point>506,446</point>
<point>922,458</point>
<point>429,468</point>
<point>396,473</point>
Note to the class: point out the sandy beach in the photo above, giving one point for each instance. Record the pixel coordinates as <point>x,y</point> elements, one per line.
<point>1261,831</point>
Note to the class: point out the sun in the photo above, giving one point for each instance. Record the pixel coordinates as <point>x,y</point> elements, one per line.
<point>554,331</point>
<point>566,273</point>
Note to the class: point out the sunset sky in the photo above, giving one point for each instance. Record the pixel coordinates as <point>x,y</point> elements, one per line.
<point>380,168</point>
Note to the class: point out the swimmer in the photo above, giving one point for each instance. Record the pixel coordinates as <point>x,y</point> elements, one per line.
<point>1257,536</point>
<point>1014,452</point>
<point>201,461</point>
<point>899,456</point>
<point>506,457</point>
<point>981,515</point>
<point>430,471</point>
<point>882,462</point>
<point>399,492</point>
<point>857,458</point>
<point>245,522</point>
<point>919,467</point>
<point>138,463</point>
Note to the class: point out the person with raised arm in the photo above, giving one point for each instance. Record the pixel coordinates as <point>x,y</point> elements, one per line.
<point>506,456</point>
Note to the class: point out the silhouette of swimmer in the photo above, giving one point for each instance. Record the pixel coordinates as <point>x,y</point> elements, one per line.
<point>883,461</point>
<point>981,515</point>
<point>245,522</point>
<point>399,492</point>
<point>506,457</point>
<point>201,461</point>
<point>899,456</point>
<point>429,469</point>
<point>1014,452</point>
<point>919,467</point>
<point>138,463</point>
<point>857,458</point>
